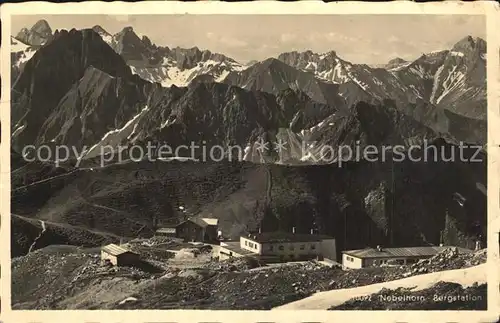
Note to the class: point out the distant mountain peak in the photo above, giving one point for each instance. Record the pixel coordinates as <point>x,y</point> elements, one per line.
<point>42,26</point>
<point>37,35</point>
<point>271,61</point>
<point>397,60</point>
<point>252,62</point>
<point>470,43</point>
<point>331,53</point>
<point>128,29</point>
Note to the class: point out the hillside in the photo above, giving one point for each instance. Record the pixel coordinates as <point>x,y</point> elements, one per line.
<point>368,203</point>
<point>83,283</point>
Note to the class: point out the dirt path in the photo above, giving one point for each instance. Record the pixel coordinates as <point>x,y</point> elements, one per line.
<point>38,237</point>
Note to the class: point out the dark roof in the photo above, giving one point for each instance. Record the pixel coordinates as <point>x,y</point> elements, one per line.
<point>400,252</point>
<point>280,236</point>
<point>115,250</point>
<point>197,221</point>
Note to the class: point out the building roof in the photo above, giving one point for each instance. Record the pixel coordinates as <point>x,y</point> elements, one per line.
<point>400,252</point>
<point>166,230</point>
<point>281,236</point>
<point>235,247</point>
<point>115,250</point>
<point>210,221</point>
<point>202,222</point>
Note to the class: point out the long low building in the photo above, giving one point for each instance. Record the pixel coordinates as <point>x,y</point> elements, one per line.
<point>118,255</point>
<point>371,257</point>
<point>230,249</point>
<point>281,246</point>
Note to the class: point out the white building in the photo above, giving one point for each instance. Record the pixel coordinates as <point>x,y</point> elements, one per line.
<point>371,257</point>
<point>281,246</point>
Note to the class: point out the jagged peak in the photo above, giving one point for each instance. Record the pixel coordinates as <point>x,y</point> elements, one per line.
<point>87,33</point>
<point>330,53</point>
<point>128,29</point>
<point>100,30</point>
<point>470,43</point>
<point>145,39</point>
<point>271,61</point>
<point>42,24</point>
<point>397,60</point>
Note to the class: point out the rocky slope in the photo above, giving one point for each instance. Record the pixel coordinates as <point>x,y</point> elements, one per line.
<point>26,43</point>
<point>82,283</point>
<point>54,71</point>
<point>77,90</point>
<point>100,98</point>
<point>274,76</point>
<point>326,79</point>
<point>367,203</point>
<point>99,102</point>
<point>29,235</point>
<point>377,83</point>
<point>452,79</point>
<point>39,34</point>
<point>20,53</point>
<point>167,66</point>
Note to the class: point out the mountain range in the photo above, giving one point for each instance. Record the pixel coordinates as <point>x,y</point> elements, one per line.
<point>88,88</point>
<point>127,89</point>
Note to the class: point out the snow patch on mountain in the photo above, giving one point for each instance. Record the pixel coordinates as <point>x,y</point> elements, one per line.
<point>169,74</point>
<point>435,85</point>
<point>17,45</point>
<point>24,57</point>
<point>116,136</point>
<point>452,82</point>
<point>459,54</point>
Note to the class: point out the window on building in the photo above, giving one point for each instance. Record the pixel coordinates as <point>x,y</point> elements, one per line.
<point>246,243</point>
<point>302,246</point>
<point>313,246</point>
<point>281,248</point>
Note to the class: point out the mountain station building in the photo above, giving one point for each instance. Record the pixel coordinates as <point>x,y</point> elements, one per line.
<point>119,255</point>
<point>372,257</point>
<point>198,229</point>
<point>280,247</point>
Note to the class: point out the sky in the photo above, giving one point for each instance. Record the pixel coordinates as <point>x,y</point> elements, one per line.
<point>368,39</point>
